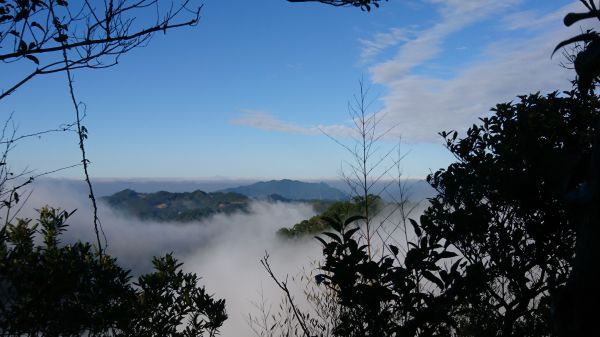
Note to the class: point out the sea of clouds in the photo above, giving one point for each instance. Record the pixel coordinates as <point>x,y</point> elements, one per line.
<point>225,250</point>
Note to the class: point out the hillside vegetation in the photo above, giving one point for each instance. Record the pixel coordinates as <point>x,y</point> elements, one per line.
<point>183,207</point>
<point>332,210</point>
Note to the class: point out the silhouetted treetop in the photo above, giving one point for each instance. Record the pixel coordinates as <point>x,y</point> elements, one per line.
<point>55,35</point>
<point>365,5</point>
<point>57,289</point>
<point>586,60</point>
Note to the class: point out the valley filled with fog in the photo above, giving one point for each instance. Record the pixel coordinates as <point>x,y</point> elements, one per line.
<point>224,249</point>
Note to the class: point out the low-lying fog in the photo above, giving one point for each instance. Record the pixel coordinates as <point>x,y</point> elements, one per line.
<point>225,250</point>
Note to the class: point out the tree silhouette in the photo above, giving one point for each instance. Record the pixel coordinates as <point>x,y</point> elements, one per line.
<point>364,5</point>
<point>92,34</point>
<point>57,36</point>
<point>497,241</point>
<point>587,60</point>
<point>574,305</point>
<point>53,289</point>
<point>505,205</point>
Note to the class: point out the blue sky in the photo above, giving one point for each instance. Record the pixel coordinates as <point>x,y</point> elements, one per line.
<point>246,93</point>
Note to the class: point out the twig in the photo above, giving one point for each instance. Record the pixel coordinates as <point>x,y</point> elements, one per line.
<point>82,135</point>
<point>283,286</point>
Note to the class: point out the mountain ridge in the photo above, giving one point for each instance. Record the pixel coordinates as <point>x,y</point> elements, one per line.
<point>178,206</point>
<point>289,189</point>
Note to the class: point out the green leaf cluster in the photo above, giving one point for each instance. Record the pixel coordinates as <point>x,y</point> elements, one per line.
<point>318,224</point>
<point>495,244</point>
<point>55,289</point>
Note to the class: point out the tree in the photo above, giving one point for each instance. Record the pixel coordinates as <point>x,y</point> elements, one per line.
<point>368,292</point>
<point>364,5</point>
<point>586,61</point>
<point>368,171</point>
<point>53,289</point>
<point>342,209</point>
<point>504,205</point>
<point>581,294</point>
<point>76,289</point>
<point>495,244</point>
<point>57,36</point>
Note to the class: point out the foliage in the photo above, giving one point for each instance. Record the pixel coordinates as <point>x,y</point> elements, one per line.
<point>58,35</point>
<point>318,223</point>
<point>573,312</point>
<point>384,296</point>
<point>587,60</point>
<point>53,289</point>
<point>167,206</point>
<point>505,204</point>
<point>497,240</point>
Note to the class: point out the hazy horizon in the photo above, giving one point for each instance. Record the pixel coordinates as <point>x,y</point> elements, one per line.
<point>417,189</point>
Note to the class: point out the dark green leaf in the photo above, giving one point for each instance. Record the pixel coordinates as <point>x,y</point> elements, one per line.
<point>571,18</point>
<point>428,275</point>
<point>22,46</point>
<point>416,227</point>
<point>446,254</point>
<point>348,234</point>
<point>585,37</point>
<point>333,236</point>
<point>37,25</point>
<point>61,38</point>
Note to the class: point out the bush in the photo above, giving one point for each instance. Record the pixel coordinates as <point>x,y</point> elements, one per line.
<point>51,289</point>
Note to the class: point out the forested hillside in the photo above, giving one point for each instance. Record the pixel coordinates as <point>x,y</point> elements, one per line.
<point>167,206</point>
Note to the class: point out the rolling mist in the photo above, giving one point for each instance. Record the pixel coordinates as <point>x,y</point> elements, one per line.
<point>225,250</point>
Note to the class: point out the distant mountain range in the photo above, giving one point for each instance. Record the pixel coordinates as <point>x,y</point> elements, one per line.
<point>167,206</point>
<point>289,189</point>
<point>193,206</point>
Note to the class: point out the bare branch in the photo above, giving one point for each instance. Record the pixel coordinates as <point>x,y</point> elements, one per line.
<point>283,286</point>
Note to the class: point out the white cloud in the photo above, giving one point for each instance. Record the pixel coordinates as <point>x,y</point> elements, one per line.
<point>454,16</point>
<point>381,41</point>
<point>265,121</point>
<point>423,105</point>
<point>532,19</point>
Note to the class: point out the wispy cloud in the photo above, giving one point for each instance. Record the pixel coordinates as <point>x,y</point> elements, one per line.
<point>381,41</point>
<point>454,16</point>
<point>532,19</point>
<point>420,105</point>
<point>423,104</point>
<point>262,120</point>
<point>265,121</point>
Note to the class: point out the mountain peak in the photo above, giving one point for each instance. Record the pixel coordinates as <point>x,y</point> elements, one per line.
<point>289,189</point>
